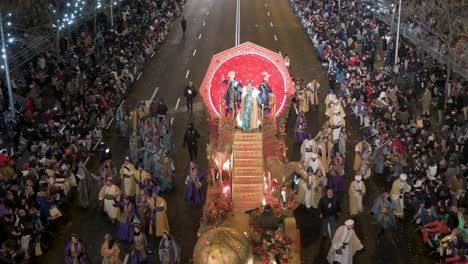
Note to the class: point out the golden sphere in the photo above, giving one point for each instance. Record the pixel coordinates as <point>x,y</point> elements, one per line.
<point>223,245</point>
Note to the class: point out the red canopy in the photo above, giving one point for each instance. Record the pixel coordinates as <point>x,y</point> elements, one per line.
<point>248,61</point>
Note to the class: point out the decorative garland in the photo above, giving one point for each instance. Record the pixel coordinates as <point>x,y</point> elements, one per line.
<point>215,212</point>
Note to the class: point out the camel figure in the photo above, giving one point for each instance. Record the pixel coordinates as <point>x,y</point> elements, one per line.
<point>283,173</point>
<point>217,156</point>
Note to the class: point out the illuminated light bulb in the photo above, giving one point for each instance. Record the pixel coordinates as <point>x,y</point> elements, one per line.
<point>3,67</point>
<point>9,23</point>
<point>10,40</point>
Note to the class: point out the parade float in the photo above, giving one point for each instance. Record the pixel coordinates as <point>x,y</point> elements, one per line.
<point>247,159</point>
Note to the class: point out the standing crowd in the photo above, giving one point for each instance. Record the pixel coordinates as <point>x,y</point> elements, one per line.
<point>90,76</point>
<point>420,157</point>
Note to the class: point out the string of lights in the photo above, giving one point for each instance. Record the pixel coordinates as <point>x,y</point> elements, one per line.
<point>67,12</point>
<point>5,41</point>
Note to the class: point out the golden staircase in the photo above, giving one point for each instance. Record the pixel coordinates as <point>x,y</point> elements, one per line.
<point>247,181</point>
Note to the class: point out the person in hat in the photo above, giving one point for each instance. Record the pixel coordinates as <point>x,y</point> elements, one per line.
<point>191,137</point>
<point>110,194</point>
<point>139,245</point>
<point>337,123</point>
<point>326,151</point>
<point>311,190</point>
<point>158,206</point>
<point>303,100</point>
<point>313,92</point>
<point>194,181</point>
<point>166,175</point>
<point>142,210</point>
<point>133,146</point>
<point>110,251</point>
<point>357,190</point>
<point>142,178</point>
<point>126,218</point>
<point>344,245</point>
<point>84,187</point>
<point>267,220</point>
<point>315,164</point>
<point>127,175</point>
<point>360,148</point>
<point>383,212</point>
<point>399,189</point>
<point>309,146</point>
<point>336,175</point>
<point>248,118</point>
<point>335,105</point>
<point>301,128</point>
<point>169,252</point>
<point>329,99</point>
<point>265,93</point>
<point>233,93</point>
<point>76,252</point>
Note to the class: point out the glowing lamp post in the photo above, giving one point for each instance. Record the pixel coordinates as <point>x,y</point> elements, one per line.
<point>5,64</point>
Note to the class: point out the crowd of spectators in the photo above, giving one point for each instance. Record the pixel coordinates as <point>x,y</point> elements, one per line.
<point>64,103</point>
<point>359,55</point>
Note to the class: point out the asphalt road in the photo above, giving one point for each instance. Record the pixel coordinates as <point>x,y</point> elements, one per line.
<point>211,29</point>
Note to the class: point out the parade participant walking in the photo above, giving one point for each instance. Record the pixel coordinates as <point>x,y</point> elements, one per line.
<point>126,219</point>
<point>84,187</point>
<point>360,149</point>
<point>344,245</point>
<point>329,209</point>
<point>183,24</point>
<point>194,181</point>
<point>357,190</point>
<point>315,164</point>
<point>399,189</point>
<point>109,195</point>
<point>127,175</point>
<point>76,252</point>
<point>383,212</point>
<point>139,245</point>
<point>190,93</point>
<point>301,128</point>
<point>110,251</point>
<point>313,89</point>
<point>169,252</point>
<point>308,147</point>
<point>326,152</point>
<point>158,207</point>
<point>142,179</point>
<point>191,141</point>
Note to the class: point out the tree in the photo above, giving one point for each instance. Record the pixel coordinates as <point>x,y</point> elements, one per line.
<point>445,22</point>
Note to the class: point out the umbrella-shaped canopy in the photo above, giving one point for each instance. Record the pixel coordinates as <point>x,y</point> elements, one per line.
<point>248,61</point>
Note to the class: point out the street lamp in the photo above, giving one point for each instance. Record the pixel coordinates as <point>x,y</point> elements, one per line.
<point>397,34</point>
<point>5,64</point>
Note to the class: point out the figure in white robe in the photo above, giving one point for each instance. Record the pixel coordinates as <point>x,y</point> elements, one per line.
<point>127,175</point>
<point>308,147</point>
<point>344,245</point>
<point>357,190</point>
<point>329,99</point>
<point>315,164</point>
<point>337,123</point>
<point>109,195</point>
<point>399,189</point>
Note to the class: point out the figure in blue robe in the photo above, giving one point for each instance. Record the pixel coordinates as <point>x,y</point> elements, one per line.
<point>125,232</point>
<point>233,93</point>
<point>195,188</point>
<point>134,148</point>
<point>265,93</point>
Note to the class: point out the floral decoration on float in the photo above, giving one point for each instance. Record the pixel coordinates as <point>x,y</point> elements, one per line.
<point>215,212</point>
<point>273,247</point>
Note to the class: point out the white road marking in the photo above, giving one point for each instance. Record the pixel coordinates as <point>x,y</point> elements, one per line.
<point>199,36</point>
<point>207,13</point>
<point>112,119</point>
<point>154,94</point>
<point>97,143</point>
<point>194,52</point>
<point>280,53</point>
<point>152,54</point>
<point>271,24</point>
<point>186,75</point>
<point>177,104</point>
<point>268,13</point>
<point>172,120</point>
<point>266,4</point>
<point>204,23</point>
<point>139,75</point>
<point>276,39</point>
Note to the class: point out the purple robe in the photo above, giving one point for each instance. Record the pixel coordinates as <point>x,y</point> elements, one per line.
<point>192,193</point>
<point>336,180</point>
<point>77,251</point>
<point>139,245</point>
<point>301,129</point>
<point>125,232</point>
